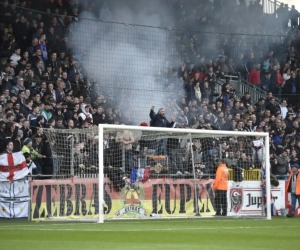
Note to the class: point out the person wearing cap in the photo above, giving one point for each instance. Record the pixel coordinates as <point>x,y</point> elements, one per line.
<point>293,187</point>
<point>27,148</point>
<point>34,155</point>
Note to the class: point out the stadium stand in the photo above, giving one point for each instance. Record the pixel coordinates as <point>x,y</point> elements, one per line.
<point>45,85</point>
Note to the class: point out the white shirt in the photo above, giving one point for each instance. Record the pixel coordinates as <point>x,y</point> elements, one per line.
<point>15,58</point>
<point>284,111</point>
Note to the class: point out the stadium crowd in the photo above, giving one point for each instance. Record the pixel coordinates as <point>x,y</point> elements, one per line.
<point>44,86</point>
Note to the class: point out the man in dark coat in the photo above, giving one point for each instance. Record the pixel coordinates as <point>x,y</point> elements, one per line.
<point>159,120</point>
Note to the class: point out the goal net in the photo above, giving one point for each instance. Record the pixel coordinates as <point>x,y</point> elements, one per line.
<point>125,172</point>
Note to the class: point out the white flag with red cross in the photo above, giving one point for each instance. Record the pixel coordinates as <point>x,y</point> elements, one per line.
<point>13,167</point>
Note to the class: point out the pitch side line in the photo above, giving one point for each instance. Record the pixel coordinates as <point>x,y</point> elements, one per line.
<point>139,230</point>
<point>48,223</point>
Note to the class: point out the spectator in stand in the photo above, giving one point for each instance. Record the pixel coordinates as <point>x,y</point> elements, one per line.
<point>32,117</point>
<point>15,58</point>
<point>283,108</point>
<point>280,166</point>
<point>61,105</point>
<point>254,75</point>
<point>290,90</point>
<point>246,99</point>
<point>211,78</point>
<point>19,87</point>
<point>274,86</point>
<point>294,15</point>
<point>273,106</point>
<point>159,120</point>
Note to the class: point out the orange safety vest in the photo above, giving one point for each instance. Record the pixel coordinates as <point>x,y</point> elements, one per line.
<point>289,186</point>
<point>221,180</point>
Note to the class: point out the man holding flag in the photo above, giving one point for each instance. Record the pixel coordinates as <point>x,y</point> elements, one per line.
<point>12,165</point>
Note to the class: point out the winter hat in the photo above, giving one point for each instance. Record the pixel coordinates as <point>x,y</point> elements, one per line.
<point>26,141</point>
<point>295,166</point>
<point>144,124</point>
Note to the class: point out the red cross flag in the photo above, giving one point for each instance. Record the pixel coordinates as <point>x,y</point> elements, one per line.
<point>13,167</point>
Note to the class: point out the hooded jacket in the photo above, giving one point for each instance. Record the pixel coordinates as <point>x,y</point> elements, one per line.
<point>221,180</point>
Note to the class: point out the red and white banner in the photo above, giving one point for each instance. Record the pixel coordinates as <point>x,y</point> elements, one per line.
<point>248,198</point>
<point>13,167</point>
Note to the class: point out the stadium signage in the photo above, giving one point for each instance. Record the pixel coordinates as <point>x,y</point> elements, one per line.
<point>78,198</point>
<point>254,200</point>
<point>248,198</point>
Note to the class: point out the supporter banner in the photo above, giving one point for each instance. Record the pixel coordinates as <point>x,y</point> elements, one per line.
<point>247,198</point>
<point>11,209</point>
<point>13,167</point>
<point>78,198</point>
<point>14,190</point>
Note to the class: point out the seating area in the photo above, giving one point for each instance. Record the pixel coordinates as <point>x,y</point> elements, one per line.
<point>48,85</point>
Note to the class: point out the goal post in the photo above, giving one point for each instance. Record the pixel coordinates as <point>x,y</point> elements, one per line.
<point>114,172</point>
<point>196,173</point>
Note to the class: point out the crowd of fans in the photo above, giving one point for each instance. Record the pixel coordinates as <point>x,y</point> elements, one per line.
<point>44,85</point>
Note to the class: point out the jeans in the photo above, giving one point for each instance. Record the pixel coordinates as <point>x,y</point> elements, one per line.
<point>175,161</point>
<point>294,200</point>
<point>143,158</point>
<point>282,177</point>
<point>57,162</point>
<point>161,147</point>
<point>128,161</point>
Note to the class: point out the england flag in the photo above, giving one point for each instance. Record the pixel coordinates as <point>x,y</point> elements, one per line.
<point>13,167</point>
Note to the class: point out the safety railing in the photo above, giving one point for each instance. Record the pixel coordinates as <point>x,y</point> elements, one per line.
<point>249,175</point>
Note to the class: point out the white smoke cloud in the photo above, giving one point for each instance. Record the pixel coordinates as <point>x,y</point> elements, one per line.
<point>129,60</point>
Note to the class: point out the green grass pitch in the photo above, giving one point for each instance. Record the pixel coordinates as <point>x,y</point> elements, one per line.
<point>184,234</point>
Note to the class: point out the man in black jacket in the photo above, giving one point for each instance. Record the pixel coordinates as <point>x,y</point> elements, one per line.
<point>159,120</point>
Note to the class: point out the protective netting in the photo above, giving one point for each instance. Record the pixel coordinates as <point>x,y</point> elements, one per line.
<point>75,152</point>
<point>159,173</point>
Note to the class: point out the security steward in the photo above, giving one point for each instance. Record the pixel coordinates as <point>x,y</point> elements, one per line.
<point>220,187</point>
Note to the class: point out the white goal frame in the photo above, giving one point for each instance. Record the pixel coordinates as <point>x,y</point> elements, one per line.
<point>102,127</point>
